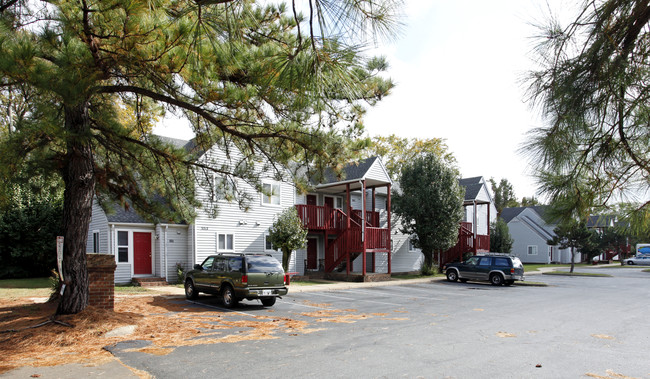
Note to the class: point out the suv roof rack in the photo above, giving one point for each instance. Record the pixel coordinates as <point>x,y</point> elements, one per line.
<point>492,253</point>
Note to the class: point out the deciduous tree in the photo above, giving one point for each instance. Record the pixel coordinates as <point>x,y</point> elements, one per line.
<point>574,235</point>
<point>429,204</point>
<point>397,151</point>
<point>504,195</point>
<point>500,239</point>
<point>267,80</point>
<point>287,234</point>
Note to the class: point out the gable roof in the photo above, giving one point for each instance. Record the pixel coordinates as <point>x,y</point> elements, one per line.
<point>601,221</point>
<point>507,214</point>
<point>365,169</point>
<point>178,143</point>
<point>473,188</point>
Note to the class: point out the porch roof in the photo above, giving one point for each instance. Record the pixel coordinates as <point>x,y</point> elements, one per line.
<point>371,170</point>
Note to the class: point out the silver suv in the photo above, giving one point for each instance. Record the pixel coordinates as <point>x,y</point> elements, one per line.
<point>497,268</point>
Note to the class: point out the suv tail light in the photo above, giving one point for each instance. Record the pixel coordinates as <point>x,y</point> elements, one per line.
<point>512,270</point>
<point>287,279</point>
<point>244,279</point>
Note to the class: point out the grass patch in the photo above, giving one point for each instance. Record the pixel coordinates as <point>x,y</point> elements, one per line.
<point>303,283</point>
<point>31,287</point>
<point>646,270</point>
<point>566,273</point>
<point>25,283</point>
<point>414,276</point>
<point>130,288</point>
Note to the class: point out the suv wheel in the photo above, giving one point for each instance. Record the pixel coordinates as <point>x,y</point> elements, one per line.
<point>268,302</point>
<point>496,279</point>
<point>190,291</point>
<point>452,276</point>
<point>228,296</point>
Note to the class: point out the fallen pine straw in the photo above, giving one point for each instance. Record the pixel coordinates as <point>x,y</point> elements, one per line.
<point>167,323</point>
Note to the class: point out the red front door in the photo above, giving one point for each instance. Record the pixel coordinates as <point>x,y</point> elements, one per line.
<point>312,254</point>
<point>141,253</point>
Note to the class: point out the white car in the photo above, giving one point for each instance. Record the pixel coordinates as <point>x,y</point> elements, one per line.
<point>638,260</point>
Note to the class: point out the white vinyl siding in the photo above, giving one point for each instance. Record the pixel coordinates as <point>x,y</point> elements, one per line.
<point>247,226</point>
<point>98,223</point>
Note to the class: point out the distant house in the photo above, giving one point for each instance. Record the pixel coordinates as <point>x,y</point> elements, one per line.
<point>600,223</point>
<point>530,233</point>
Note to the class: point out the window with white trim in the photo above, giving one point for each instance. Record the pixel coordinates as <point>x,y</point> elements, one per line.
<point>224,188</point>
<point>95,241</point>
<point>268,246</point>
<point>122,246</point>
<point>271,193</point>
<point>225,242</point>
<point>532,249</point>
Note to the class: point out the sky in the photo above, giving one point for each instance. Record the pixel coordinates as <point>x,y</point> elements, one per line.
<point>459,69</point>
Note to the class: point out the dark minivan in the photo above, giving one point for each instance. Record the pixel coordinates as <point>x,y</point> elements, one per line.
<point>236,277</point>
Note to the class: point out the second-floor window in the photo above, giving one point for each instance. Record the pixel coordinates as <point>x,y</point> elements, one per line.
<point>271,194</point>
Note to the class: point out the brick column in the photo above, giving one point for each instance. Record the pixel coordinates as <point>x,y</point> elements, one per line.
<point>101,280</point>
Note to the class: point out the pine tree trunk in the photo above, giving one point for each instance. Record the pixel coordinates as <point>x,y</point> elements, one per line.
<point>79,179</point>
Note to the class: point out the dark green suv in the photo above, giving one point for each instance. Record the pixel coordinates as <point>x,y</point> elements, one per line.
<point>496,268</point>
<point>236,277</point>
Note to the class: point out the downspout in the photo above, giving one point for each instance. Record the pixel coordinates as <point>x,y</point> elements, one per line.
<point>475,220</point>
<point>165,254</point>
<point>363,210</point>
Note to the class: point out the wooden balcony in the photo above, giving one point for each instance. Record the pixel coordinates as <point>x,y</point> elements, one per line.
<point>466,244</point>
<point>349,241</point>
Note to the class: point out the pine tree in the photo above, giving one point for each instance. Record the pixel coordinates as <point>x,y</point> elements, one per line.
<point>251,76</point>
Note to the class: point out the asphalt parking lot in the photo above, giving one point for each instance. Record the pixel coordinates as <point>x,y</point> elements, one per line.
<point>576,327</point>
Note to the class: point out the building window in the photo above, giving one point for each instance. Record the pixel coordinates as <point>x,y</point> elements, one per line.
<point>122,246</point>
<point>223,188</point>
<point>225,242</point>
<point>268,246</point>
<point>532,249</point>
<point>271,193</point>
<point>95,241</point>
<point>412,247</point>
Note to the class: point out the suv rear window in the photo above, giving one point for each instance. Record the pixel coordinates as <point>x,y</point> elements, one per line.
<point>262,263</point>
<point>516,262</point>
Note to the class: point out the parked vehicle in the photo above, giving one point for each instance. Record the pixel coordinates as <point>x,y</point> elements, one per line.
<point>236,277</point>
<point>496,268</point>
<point>638,260</point>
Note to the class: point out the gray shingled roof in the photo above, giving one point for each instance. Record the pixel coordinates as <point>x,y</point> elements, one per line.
<point>601,221</point>
<point>121,215</point>
<point>507,214</point>
<point>353,170</point>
